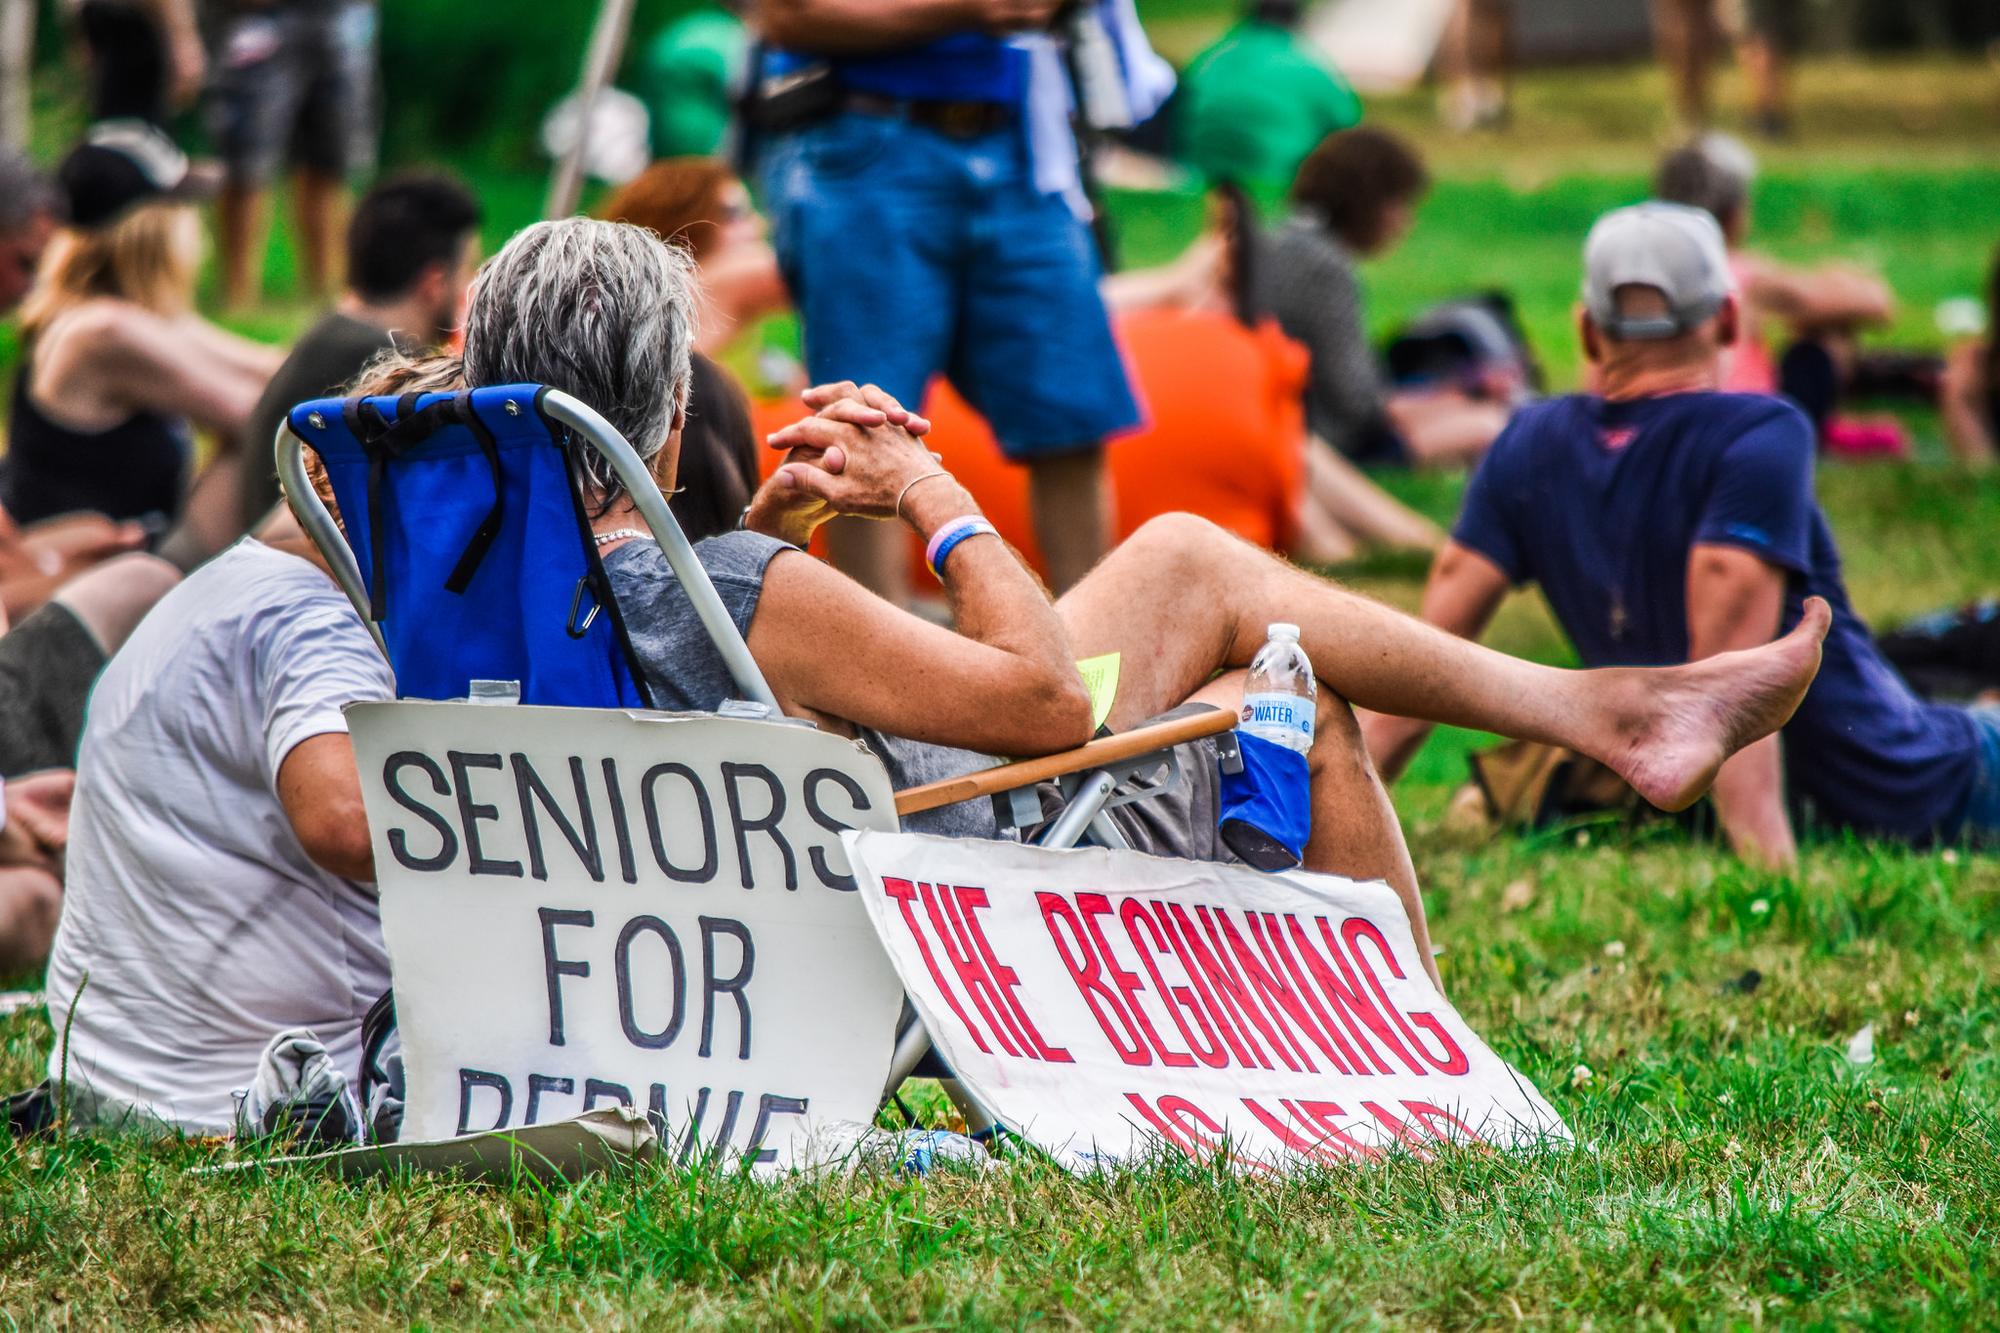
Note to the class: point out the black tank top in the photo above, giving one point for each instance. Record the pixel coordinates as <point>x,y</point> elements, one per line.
<point>135,470</point>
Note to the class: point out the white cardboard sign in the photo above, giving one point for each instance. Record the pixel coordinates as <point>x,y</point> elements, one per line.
<point>589,906</point>
<point>1101,1003</point>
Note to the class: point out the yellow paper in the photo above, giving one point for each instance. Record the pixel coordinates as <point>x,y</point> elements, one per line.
<point>1100,677</point>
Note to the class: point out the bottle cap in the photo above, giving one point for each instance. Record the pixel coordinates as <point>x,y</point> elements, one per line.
<point>1281,630</point>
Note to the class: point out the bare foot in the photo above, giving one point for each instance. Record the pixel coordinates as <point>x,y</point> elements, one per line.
<point>1683,722</point>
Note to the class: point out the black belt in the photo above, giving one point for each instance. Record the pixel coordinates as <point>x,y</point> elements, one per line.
<point>954,120</point>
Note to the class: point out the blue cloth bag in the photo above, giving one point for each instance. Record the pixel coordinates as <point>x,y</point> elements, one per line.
<point>1266,814</point>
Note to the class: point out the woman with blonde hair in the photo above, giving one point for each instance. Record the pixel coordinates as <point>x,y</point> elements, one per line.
<point>116,362</point>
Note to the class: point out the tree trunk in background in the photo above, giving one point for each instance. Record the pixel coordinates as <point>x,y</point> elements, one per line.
<point>17,57</point>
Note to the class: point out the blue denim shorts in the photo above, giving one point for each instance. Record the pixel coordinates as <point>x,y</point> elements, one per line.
<point>910,254</point>
<point>1981,823</point>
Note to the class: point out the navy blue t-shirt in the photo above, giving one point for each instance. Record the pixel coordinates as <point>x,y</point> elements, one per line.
<point>1601,503</point>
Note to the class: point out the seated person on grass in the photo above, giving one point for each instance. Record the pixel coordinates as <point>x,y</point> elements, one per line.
<point>219,863</point>
<point>1818,312</point>
<point>1667,522</point>
<point>606,312</point>
<point>1355,197</point>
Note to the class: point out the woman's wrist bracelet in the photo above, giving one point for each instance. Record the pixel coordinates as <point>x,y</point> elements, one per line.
<point>946,539</point>
<point>912,482</point>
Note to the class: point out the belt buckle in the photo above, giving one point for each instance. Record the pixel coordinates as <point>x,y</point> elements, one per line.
<point>962,120</point>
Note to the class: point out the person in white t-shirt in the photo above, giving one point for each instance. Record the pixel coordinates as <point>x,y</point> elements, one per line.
<point>219,859</point>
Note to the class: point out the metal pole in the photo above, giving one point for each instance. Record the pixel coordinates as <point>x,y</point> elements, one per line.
<point>312,514</point>
<point>607,46</point>
<point>17,61</point>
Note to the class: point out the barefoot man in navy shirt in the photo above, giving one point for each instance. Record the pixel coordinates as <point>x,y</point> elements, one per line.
<point>1667,522</point>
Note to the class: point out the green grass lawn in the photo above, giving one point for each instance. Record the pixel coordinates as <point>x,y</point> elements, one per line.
<point>1686,1016</point>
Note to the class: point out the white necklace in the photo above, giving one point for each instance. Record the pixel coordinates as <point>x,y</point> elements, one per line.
<point>618,535</point>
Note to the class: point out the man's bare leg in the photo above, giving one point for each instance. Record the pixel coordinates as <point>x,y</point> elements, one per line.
<point>1071,508</point>
<point>1355,831</point>
<point>239,226</point>
<point>320,202</point>
<point>1683,38</point>
<point>1183,599</point>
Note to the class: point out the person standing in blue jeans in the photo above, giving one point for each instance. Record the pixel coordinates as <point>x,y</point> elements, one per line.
<point>928,220</point>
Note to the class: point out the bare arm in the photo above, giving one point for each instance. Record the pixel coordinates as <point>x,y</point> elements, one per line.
<point>1831,295</point>
<point>320,789</point>
<point>113,358</point>
<point>1962,403</point>
<point>1735,600</point>
<point>1464,591</point>
<point>853,27</point>
<point>1004,683</point>
<point>240,353</point>
<point>186,61</point>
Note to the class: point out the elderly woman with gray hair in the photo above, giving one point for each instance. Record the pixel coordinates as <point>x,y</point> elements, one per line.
<point>607,312</point>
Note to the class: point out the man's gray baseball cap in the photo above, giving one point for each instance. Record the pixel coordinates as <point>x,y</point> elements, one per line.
<point>1676,250</point>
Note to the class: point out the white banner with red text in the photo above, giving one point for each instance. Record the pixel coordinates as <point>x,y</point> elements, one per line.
<point>1103,1004</point>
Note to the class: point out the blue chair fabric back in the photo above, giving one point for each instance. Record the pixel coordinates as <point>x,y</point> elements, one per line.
<point>464,513</point>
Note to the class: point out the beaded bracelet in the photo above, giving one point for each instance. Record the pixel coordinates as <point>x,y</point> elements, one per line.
<point>946,538</point>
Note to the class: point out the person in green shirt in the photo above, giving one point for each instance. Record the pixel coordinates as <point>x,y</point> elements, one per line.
<point>689,78</point>
<point>1261,98</point>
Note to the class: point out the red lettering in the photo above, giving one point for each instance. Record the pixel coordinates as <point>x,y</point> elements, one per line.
<point>1412,1140</point>
<point>1005,979</point>
<point>1272,941</point>
<point>1328,1116</point>
<point>1344,993</point>
<point>1225,986</point>
<point>1085,971</point>
<point>905,893</point>
<point>1217,1014</point>
<point>1453,1060</point>
<point>1320,1147</point>
<point>1175,1123</point>
<point>972,976</point>
<point>1456,1131</point>
<point>1178,1000</point>
<point>1229,983</point>
<point>1092,906</point>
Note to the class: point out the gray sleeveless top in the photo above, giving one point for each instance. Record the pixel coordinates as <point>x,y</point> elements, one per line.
<point>685,673</point>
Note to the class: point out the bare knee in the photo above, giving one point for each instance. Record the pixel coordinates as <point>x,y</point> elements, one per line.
<point>113,598</point>
<point>30,906</point>
<point>1337,739</point>
<point>1182,547</point>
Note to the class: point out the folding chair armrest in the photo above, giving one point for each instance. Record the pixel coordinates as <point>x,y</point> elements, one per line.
<point>1140,740</point>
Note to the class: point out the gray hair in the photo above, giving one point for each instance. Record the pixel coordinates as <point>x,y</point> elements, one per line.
<point>24,191</point>
<point>1712,172</point>
<point>601,310</point>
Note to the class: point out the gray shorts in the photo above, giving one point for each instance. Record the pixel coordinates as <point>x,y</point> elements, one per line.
<point>1182,822</point>
<point>295,83</point>
<point>48,663</point>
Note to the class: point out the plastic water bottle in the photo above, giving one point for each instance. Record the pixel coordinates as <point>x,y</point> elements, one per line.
<point>1278,703</point>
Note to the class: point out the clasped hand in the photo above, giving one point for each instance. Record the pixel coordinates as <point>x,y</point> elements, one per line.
<point>855,456</point>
